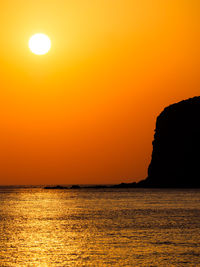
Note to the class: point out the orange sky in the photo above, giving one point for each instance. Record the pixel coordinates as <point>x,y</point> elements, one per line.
<point>85,112</point>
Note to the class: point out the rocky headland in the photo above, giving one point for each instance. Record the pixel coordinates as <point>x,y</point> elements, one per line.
<point>176,147</point>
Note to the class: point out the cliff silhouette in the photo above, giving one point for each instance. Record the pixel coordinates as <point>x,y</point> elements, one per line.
<point>176,147</point>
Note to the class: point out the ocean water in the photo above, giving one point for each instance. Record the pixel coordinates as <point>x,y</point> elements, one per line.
<point>99,227</point>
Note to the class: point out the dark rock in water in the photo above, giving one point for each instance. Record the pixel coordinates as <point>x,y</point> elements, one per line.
<point>124,185</point>
<point>75,187</point>
<point>98,186</point>
<point>55,187</point>
<point>176,147</point>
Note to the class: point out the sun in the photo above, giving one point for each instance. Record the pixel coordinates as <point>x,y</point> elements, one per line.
<point>40,44</point>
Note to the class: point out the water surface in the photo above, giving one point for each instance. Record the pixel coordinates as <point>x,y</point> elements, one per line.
<point>99,227</point>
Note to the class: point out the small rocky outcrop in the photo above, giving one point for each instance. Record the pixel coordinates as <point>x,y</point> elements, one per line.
<point>176,147</point>
<point>55,187</point>
<point>75,186</point>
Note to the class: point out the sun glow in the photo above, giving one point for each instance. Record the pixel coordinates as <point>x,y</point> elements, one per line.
<point>39,44</point>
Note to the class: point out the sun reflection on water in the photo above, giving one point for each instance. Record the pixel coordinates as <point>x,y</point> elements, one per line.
<point>95,228</point>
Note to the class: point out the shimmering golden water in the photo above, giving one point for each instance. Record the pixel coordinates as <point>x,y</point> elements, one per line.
<point>112,227</point>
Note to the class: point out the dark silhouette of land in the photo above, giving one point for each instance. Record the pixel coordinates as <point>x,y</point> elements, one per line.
<point>175,159</point>
<point>176,147</point>
<point>55,187</point>
<point>75,186</point>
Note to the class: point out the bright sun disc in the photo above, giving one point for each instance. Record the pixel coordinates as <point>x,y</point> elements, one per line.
<point>39,44</point>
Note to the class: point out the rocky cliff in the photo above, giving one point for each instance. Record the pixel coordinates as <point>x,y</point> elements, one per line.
<point>176,147</point>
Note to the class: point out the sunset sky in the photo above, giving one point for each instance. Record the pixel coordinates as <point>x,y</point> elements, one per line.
<point>85,112</point>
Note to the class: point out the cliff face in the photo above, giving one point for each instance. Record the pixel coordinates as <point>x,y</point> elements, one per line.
<point>176,147</point>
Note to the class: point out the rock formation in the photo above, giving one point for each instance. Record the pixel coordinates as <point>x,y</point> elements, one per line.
<point>176,147</point>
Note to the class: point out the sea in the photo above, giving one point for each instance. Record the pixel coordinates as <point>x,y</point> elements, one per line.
<point>99,227</point>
